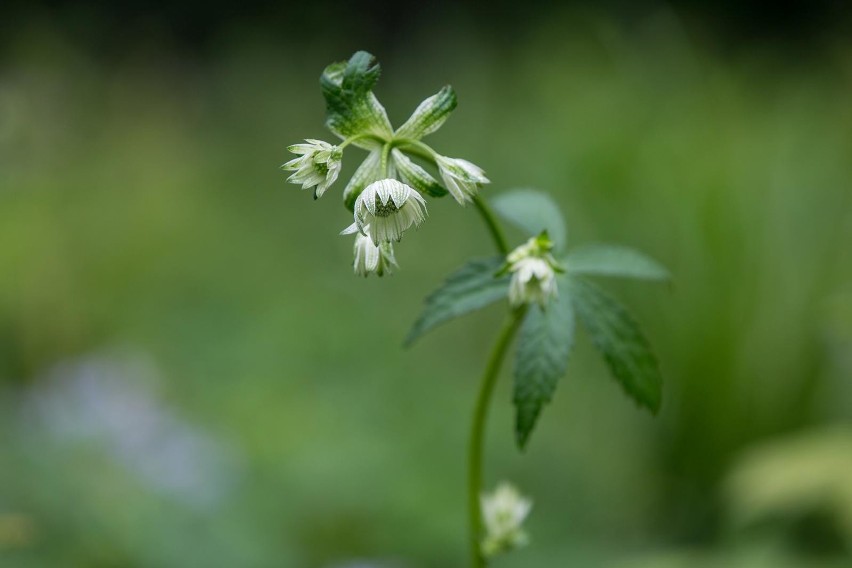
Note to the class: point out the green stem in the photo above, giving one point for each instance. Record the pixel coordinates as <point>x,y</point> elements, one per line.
<point>357,137</point>
<point>477,434</point>
<point>491,222</point>
<point>489,378</point>
<point>417,148</point>
<point>422,150</point>
<point>385,159</point>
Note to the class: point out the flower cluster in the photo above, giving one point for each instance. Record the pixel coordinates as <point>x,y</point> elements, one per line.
<point>503,513</point>
<point>533,271</point>
<point>386,192</point>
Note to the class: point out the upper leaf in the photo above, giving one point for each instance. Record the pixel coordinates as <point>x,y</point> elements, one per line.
<point>619,339</point>
<point>350,104</point>
<point>614,260</point>
<point>533,211</point>
<point>544,346</point>
<point>471,287</point>
<point>429,115</point>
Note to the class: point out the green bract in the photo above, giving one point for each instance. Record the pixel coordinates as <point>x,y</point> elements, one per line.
<point>352,107</point>
<point>429,115</point>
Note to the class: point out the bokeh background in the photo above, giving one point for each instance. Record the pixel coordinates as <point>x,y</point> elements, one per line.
<point>190,375</point>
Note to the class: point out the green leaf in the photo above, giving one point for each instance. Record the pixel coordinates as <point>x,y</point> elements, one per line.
<point>544,347</point>
<point>614,260</point>
<point>350,104</point>
<point>369,171</point>
<point>429,115</point>
<point>415,176</point>
<point>533,211</point>
<point>618,337</point>
<point>471,287</point>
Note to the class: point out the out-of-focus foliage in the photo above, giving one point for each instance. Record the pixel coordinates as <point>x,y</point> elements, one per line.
<point>803,479</point>
<point>142,211</point>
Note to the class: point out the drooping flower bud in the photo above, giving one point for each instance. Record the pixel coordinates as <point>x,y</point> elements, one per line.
<point>372,259</point>
<point>461,177</point>
<point>533,271</point>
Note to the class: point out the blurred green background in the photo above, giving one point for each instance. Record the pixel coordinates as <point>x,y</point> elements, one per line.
<point>190,375</point>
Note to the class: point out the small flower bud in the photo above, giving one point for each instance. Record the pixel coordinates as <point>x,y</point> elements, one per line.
<point>461,177</point>
<point>533,271</point>
<point>372,259</point>
<point>503,513</point>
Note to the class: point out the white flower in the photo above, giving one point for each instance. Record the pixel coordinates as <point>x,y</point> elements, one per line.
<point>370,258</point>
<point>533,271</point>
<point>318,165</point>
<point>461,177</point>
<point>503,513</point>
<point>386,209</point>
<point>533,280</point>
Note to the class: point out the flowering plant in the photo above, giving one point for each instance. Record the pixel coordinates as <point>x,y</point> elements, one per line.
<point>547,287</point>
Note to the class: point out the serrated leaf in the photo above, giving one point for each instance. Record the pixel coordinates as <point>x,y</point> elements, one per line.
<point>617,336</point>
<point>614,260</point>
<point>544,347</point>
<point>533,211</point>
<point>415,176</point>
<point>470,288</point>
<point>350,104</point>
<point>429,115</point>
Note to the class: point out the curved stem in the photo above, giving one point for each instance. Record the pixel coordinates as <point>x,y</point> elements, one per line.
<point>477,434</point>
<point>489,377</point>
<point>491,222</point>
<point>422,150</point>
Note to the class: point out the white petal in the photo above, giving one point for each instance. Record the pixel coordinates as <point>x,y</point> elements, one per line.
<point>350,230</point>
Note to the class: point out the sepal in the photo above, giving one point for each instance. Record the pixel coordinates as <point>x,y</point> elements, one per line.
<point>415,176</point>
<point>429,115</point>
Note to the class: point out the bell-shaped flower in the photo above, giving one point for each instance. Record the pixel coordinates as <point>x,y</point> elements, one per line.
<point>461,177</point>
<point>371,258</point>
<point>503,513</point>
<point>533,280</point>
<point>386,209</point>
<point>318,165</point>
<point>533,271</point>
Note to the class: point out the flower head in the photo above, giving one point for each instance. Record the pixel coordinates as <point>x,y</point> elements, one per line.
<point>503,513</point>
<point>386,209</point>
<point>372,259</point>
<point>461,177</point>
<point>318,165</point>
<point>533,271</point>
<point>533,280</point>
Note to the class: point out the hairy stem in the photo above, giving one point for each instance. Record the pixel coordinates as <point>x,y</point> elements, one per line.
<point>477,433</point>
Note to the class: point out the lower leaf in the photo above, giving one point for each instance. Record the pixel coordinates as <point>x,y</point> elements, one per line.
<point>544,346</point>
